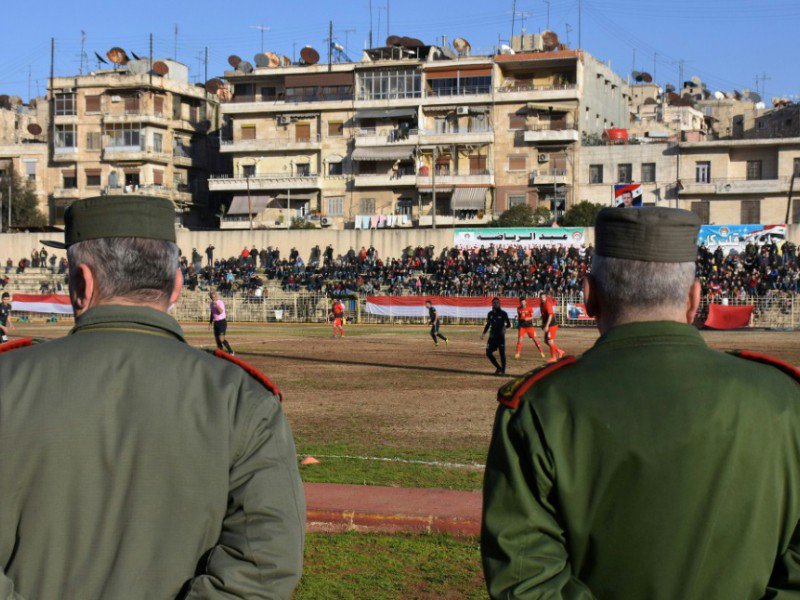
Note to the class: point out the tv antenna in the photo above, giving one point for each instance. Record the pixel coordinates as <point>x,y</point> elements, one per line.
<point>567,28</point>
<point>261,29</point>
<point>523,16</point>
<point>548,13</point>
<point>175,45</point>
<point>347,33</point>
<point>84,56</point>
<point>761,79</point>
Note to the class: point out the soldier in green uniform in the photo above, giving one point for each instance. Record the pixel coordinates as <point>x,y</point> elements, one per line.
<point>651,467</point>
<point>133,465</point>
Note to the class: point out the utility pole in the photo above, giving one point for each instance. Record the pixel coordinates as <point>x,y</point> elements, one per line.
<point>330,45</point>
<point>433,187</point>
<point>548,13</point>
<point>205,68</point>
<point>681,64</point>
<point>655,59</point>
<point>175,46</point>
<point>388,21</point>
<point>580,19</point>
<point>795,174</point>
<point>370,23</point>
<point>150,69</point>
<point>513,17</point>
<point>633,64</point>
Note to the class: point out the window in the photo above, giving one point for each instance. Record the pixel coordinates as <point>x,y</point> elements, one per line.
<point>335,129</point>
<point>158,177</point>
<point>248,132</point>
<point>70,180</point>
<point>477,165</point>
<point>335,168</point>
<point>389,84</point>
<point>268,93</point>
<point>753,173</point>
<point>303,170</point>
<point>248,170</point>
<point>595,173</point>
<point>625,173</point>
<point>93,178</point>
<point>92,104</point>
<point>158,105</point>
<point>65,104</point>
<point>244,92</point>
<point>366,167</point>
<point>123,135</point>
<point>517,163</point>
<point>451,86</point>
<point>66,136</point>
<point>158,142</point>
<point>649,172</point>
<point>516,200</point>
<point>702,172</point>
<point>132,104</point>
<point>404,206</point>
<point>517,121</point>
<point>701,209</point>
<point>302,132</point>
<point>335,206</point>
<point>30,168</point>
<point>750,212</point>
<point>367,206</point>
<point>93,140</point>
<point>177,107</point>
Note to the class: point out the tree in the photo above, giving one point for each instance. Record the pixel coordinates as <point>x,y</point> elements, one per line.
<point>582,214</point>
<point>523,215</point>
<point>301,223</point>
<point>24,204</point>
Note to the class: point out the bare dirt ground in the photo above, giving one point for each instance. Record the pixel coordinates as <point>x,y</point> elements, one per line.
<point>386,391</point>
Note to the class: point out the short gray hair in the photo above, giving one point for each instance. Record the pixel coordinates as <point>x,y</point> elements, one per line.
<point>627,286</point>
<point>125,267</point>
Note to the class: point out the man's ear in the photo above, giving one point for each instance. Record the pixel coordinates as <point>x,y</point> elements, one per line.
<point>590,296</point>
<point>176,290</point>
<point>81,289</point>
<point>693,301</point>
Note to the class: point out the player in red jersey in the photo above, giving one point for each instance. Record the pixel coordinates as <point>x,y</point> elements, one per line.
<point>550,326</point>
<point>525,327</point>
<point>337,316</point>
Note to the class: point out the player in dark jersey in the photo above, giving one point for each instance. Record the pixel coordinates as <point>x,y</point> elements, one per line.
<point>550,326</point>
<point>5,313</point>
<point>497,322</point>
<point>433,316</point>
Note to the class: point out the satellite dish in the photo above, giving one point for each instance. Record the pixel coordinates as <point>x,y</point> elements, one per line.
<point>213,85</point>
<point>669,88</point>
<point>160,68</point>
<point>761,105</point>
<point>650,101</point>
<point>34,129</point>
<point>273,60</point>
<point>646,77</point>
<point>696,80</point>
<point>261,60</point>
<point>309,56</point>
<point>672,97</point>
<point>413,43</point>
<point>636,75</point>
<point>550,40</point>
<point>719,95</point>
<point>133,54</point>
<point>462,46</point>
<point>234,60</point>
<point>753,97</point>
<point>286,61</point>
<point>393,40</point>
<point>101,59</point>
<point>117,56</point>
<point>737,94</point>
<point>245,67</point>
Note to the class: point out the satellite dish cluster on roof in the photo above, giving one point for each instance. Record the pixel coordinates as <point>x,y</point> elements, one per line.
<point>642,77</point>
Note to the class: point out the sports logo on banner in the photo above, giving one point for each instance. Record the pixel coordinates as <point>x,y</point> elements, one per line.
<point>627,195</point>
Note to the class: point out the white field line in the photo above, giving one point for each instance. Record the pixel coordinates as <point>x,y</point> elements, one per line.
<point>430,463</point>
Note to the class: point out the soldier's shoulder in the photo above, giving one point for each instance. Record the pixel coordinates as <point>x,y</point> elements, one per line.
<point>252,371</point>
<point>18,344</point>
<point>511,394</point>
<point>774,364</point>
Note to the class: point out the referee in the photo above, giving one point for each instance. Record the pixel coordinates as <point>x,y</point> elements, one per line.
<point>497,322</point>
<point>219,319</point>
<point>434,323</point>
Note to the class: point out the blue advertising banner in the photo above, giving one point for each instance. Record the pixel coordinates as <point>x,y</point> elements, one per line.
<point>731,237</point>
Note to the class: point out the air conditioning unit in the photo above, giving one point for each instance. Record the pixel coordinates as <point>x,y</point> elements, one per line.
<point>116,98</point>
<point>462,110</point>
<point>283,120</point>
<point>325,222</point>
<point>543,158</point>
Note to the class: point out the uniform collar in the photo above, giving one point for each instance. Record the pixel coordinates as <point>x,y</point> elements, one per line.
<point>649,333</point>
<point>124,318</point>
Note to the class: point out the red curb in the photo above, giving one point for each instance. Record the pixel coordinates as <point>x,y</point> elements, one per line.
<point>336,508</point>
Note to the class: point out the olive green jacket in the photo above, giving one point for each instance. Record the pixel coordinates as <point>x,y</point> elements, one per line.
<point>135,466</point>
<point>653,467</point>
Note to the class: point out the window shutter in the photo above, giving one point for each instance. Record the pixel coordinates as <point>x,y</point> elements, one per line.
<point>92,104</point>
<point>248,132</point>
<point>517,163</point>
<point>158,177</point>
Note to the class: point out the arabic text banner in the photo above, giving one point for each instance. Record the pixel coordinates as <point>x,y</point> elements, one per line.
<point>447,306</point>
<point>736,237</point>
<point>519,236</point>
<point>42,303</point>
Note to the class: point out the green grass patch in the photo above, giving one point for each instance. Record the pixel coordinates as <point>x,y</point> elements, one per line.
<point>381,567</point>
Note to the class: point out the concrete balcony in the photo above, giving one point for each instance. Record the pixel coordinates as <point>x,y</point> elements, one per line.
<point>177,195</point>
<point>315,103</point>
<point>480,136</point>
<point>70,193</point>
<point>548,177</point>
<point>65,119</point>
<point>135,117</point>
<point>405,101</point>
<point>460,98</point>
<point>486,178</point>
<point>271,144</point>
<point>545,135</point>
<point>386,180</point>
<point>135,153</point>
<point>68,154</point>
<point>186,158</point>
<point>535,93</point>
<point>277,181</point>
<point>427,220</point>
<point>371,138</point>
<point>735,186</point>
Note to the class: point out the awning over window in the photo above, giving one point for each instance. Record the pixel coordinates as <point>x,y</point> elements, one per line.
<point>239,205</point>
<point>473,198</point>
<point>385,113</point>
<point>298,196</point>
<point>387,153</point>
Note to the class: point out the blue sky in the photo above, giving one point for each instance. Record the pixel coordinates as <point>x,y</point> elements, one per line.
<point>725,42</point>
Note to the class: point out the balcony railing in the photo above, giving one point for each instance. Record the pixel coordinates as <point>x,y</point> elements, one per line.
<point>282,99</point>
<point>457,132</point>
<point>528,87</point>
<point>551,127</point>
<point>391,135</point>
<point>272,141</point>
<point>226,177</point>
<point>459,91</point>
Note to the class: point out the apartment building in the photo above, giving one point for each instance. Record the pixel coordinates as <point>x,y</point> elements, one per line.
<point>131,131</point>
<point>740,181</point>
<point>382,141</point>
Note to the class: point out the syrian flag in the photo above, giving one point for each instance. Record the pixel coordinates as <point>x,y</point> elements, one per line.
<point>42,303</point>
<point>446,306</point>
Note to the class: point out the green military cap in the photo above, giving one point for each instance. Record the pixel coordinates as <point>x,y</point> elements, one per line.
<point>117,216</point>
<point>650,234</point>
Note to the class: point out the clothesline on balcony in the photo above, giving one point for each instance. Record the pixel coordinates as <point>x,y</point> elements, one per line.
<point>380,221</point>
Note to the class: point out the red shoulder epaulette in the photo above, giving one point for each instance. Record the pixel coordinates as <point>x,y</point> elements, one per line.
<point>14,344</point>
<point>511,393</point>
<point>790,370</point>
<point>252,371</point>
